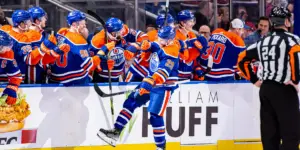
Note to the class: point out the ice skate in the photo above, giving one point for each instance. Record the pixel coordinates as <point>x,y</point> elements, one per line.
<point>160,148</point>
<point>109,136</point>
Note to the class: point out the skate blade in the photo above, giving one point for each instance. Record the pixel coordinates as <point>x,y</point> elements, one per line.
<point>110,141</point>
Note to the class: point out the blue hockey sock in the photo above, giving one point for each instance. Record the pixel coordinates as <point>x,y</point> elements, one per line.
<point>126,113</point>
<point>157,123</point>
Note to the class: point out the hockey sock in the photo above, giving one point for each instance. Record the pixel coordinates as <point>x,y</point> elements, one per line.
<point>157,123</point>
<point>126,113</point>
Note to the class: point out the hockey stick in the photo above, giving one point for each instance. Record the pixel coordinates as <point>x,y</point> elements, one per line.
<point>98,18</point>
<point>166,13</point>
<point>209,65</point>
<point>102,94</point>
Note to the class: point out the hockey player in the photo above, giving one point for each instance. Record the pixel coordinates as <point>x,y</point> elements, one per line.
<point>139,68</point>
<point>163,69</point>
<point>224,46</point>
<point>125,48</point>
<point>24,54</point>
<point>9,70</point>
<point>188,56</point>
<point>36,35</point>
<point>73,67</point>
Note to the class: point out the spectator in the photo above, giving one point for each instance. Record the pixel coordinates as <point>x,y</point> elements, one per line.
<point>242,13</point>
<point>204,30</point>
<point>224,12</point>
<point>3,19</point>
<point>262,31</point>
<point>204,14</point>
<point>269,6</point>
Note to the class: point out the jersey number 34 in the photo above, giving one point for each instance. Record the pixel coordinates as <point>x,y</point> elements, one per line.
<point>216,50</point>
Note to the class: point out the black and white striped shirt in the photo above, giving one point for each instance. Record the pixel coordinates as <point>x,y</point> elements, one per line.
<point>279,54</point>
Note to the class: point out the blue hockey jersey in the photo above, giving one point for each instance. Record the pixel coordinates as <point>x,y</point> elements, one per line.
<point>224,47</point>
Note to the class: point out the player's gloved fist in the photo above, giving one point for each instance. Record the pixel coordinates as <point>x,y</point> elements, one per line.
<point>108,47</point>
<point>145,87</point>
<point>199,72</point>
<point>198,45</point>
<point>65,48</point>
<point>145,45</point>
<point>128,55</point>
<point>11,92</point>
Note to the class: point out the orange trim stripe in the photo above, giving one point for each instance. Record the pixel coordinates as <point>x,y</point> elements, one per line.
<point>166,100</point>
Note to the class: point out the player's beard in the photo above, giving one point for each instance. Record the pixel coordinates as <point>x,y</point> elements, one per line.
<point>117,37</point>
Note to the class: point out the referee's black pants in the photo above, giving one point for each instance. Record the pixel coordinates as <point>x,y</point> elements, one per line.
<point>279,116</point>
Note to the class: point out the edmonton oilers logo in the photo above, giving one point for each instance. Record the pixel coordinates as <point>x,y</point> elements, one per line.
<point>60,40</point>
<point>154,62</point>
<point>117,54</point>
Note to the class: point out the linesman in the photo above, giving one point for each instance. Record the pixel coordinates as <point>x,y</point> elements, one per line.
<point>279,53</point>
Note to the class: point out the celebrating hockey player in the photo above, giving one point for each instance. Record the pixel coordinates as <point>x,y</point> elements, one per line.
<point>224,46</point>
<point>163,70</point>
<point>139,68</point>
<point>73,67</point>
<point>125,49</point>
<point>36,35</point>
<point>9,70</point>
<point>188,56</point>
<point>25,55</point>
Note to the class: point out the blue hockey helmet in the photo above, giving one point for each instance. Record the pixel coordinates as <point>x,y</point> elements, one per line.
<point>5,40</point>
<point>36,13</point>
<point>20,16</point>
<point>166,32</point>
<point>75,16</point>
<point>185,15</point>
<point>113,25</point>
<point>160,20</point>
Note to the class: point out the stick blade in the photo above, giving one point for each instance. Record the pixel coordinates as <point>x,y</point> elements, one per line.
<point>99,91</point>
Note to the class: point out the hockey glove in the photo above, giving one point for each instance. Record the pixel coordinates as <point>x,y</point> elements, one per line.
<point>107,47</point>
<point>11,92</point>
<point>49,43</point>
<point>199,72</point>
<point>109,62</point>
<point>198,45</point>
<point>145,45</point>
<point>129,52</point>
<point>145,87</point>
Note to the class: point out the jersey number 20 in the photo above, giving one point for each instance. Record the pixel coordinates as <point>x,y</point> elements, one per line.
<point>216,50</point>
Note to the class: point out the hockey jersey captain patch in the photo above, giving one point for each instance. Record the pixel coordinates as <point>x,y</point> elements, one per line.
<point>117,54</point>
